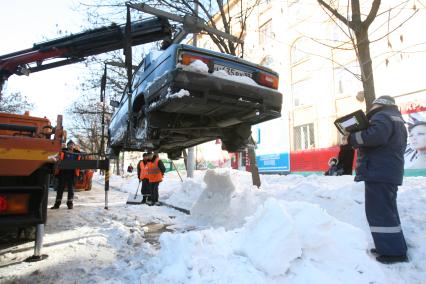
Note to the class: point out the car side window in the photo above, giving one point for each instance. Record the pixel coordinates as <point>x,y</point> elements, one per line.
<point>138,74</point>
<point>123,97</point>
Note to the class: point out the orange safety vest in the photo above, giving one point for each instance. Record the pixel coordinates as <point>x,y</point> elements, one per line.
<point>61,157</point>
<point>143,170</point>
<point>154,173</point>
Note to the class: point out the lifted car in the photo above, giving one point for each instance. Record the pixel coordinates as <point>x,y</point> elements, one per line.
<point>185,96</point>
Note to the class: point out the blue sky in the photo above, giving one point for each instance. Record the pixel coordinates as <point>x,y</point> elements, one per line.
<point>25,22</point>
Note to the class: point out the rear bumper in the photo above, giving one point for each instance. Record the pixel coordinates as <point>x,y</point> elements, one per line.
<point>37,206</point>
<point>211,95</point>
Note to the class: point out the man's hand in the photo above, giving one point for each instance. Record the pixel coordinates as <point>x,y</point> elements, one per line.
<point>345,138</point>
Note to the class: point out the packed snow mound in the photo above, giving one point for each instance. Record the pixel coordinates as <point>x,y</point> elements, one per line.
<point>223,202</point>
<point>263,236</point>
<point>189,191</point>
<point>280,243</point>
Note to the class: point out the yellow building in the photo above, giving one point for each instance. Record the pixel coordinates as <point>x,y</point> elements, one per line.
<point>317,63</point>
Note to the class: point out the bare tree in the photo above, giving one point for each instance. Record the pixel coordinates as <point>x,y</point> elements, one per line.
<point>361,42</point>
<point>88,110</point>
<point>14,103</point>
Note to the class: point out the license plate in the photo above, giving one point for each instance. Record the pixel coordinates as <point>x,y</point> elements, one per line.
<point>232,71</point>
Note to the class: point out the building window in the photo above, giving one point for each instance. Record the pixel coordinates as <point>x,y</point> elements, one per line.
<point>345,82</point>
<point>300,74</point>
<point>301,93</point>
<point>304,137</point>
<point>265,32</point>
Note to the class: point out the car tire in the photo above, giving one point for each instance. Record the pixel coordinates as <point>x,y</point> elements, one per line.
<point>236,138</point>
<point>175,155</point>
<point>115,152</point>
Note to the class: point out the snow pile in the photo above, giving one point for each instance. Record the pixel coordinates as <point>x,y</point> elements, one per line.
<point>280,243</point>
<point>270,240</point>
<point>195,66</point>
<point>223,202</point>
<point>189,191</point>
<point>294,229</point>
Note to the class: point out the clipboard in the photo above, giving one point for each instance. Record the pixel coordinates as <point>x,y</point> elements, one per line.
<point>353,122</point>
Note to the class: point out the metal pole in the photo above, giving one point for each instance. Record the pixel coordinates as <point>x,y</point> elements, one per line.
<point>106,183</point>
<point>39,240</point>
<point>253,165</point>
<point>191,162</point>
<point>38,245</point>
<point>128,61</point>
<point>103,85</point>
<point>191,151</point>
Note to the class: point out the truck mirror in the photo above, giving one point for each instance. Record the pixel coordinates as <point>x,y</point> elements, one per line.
<point>114,103</point>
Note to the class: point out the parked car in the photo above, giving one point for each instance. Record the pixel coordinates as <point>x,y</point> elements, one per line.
<point>185,96</point>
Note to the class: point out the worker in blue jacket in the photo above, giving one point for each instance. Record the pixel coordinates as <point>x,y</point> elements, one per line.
<point>380,164</point>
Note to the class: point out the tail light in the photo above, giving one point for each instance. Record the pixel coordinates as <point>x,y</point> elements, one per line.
<point>267,80</point>
<point>187,59</point>
<point>14,204</point>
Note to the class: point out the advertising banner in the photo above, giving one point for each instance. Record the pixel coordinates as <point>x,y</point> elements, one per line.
<point>272,146</point>
<point>414,114</point>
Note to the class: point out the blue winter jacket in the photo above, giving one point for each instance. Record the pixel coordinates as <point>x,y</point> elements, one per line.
<point>381,147</point>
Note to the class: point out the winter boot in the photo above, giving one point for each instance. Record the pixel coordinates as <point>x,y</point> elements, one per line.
<point>144,200</point>
<point>389,259</point>
<point>70,205</point>
<point>56,205</point>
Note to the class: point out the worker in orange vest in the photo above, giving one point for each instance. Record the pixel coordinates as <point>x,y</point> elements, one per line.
<point>142,169</point>
<point>66,177</point>
<point>156,170</point>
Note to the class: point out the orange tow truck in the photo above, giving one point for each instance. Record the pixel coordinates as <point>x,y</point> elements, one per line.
<point>28,150</point>
<point>28,144</point>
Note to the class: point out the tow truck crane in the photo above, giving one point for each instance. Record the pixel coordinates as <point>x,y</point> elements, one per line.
<point>75,48</point>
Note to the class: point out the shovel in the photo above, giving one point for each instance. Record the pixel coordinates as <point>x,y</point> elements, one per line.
<point>135,198</point>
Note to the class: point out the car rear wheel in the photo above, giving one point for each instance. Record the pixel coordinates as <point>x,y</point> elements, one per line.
<point>236,139</point>
<point>174,155</point>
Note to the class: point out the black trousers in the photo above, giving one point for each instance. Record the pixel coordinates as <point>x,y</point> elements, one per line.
<point>154,191</point>
<point>383,218</point>
<point>145,189</point>
<point>65,179</point>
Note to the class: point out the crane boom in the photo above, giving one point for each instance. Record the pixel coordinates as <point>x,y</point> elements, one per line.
<point>75,48</point>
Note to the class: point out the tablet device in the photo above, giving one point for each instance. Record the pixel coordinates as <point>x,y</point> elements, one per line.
<point>352,122</point>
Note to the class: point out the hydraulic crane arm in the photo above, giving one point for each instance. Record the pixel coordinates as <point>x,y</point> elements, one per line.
<point>75,48</point>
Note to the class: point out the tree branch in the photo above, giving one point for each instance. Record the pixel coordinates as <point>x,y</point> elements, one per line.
<point>336,14</point>
<point>372,15</point>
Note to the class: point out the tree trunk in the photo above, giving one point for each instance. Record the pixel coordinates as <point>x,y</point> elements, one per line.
<point>365,63</point>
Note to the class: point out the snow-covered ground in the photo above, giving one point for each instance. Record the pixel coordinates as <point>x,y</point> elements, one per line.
<point>293,229</point>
